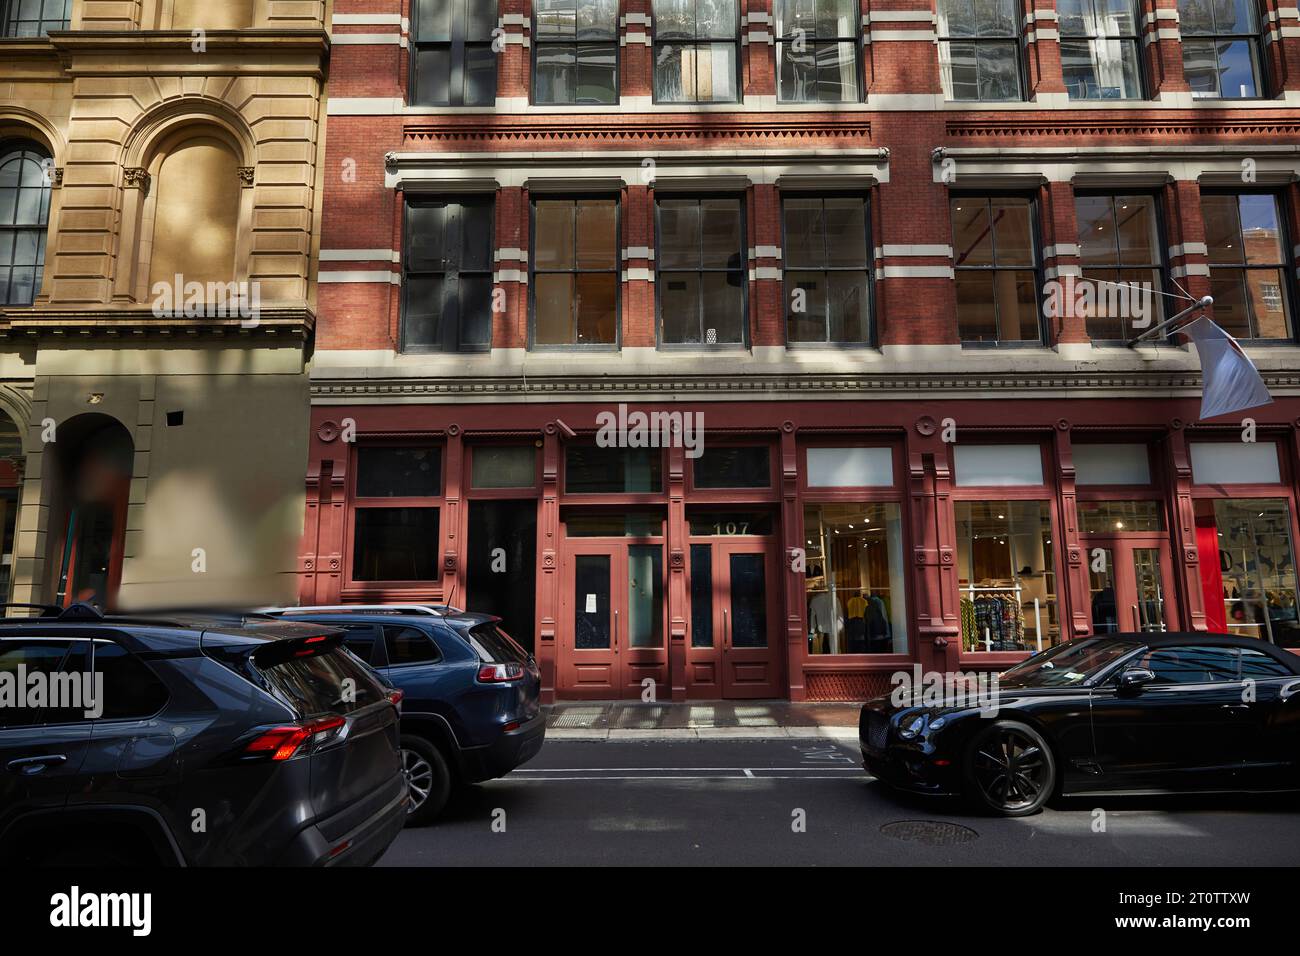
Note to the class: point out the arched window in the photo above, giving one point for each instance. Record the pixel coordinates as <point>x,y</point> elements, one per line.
<point>33,18</point>
<point>24,216</point>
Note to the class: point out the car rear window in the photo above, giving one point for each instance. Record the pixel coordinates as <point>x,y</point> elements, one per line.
<point>332,682</point>
<point>495,646</point>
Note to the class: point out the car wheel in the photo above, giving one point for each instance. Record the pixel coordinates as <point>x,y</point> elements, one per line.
<point>1009,769</point>
<point>429,778</point>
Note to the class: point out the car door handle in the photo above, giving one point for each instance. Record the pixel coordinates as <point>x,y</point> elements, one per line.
<point>34,764</point>
<point>1236,707</point>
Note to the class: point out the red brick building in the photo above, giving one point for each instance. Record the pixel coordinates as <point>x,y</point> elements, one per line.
<point>825,233</point>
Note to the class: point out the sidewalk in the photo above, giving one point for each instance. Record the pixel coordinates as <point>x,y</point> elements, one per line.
<point>700,720</point>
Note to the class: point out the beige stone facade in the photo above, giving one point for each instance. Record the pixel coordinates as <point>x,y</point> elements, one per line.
<point>163,350</point>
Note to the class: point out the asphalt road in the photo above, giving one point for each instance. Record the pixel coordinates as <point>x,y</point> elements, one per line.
<point>739,802</point>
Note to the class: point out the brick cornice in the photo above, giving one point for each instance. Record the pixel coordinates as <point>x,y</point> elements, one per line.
<point>1201,123</point>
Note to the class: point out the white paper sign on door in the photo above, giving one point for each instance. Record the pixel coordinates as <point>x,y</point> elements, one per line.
<point>591,604</point>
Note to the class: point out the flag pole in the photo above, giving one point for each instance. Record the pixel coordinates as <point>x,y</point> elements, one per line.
<point>1204,302</point>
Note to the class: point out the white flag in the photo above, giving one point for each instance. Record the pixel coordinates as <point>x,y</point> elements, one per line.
<point>1231,383</point>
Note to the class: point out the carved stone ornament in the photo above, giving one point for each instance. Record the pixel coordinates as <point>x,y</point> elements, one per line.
<point>137,177</point>
<point>246,175</point>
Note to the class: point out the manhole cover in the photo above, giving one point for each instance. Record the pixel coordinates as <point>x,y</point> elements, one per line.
<point>929,832</point>
<point>580,719</point>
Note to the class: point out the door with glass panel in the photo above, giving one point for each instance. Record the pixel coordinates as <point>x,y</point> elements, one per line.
<point>613,638</point>
<point>734,650</point>
<point>1130,585</point>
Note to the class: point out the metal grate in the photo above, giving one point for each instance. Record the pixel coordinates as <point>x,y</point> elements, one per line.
<point>929,832</point>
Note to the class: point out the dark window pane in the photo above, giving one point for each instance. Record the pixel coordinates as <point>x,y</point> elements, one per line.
<point>422,317</point>
<point>361,640</point>
<point>1222,228</point>
<point>1259,666</point>
<point>597,19</point>
<point>724,308</point>
<point>476,237</point>
<point>733,467</point>
<point>805,294</point>
<point>1192,665</point>
<point>433,76</point>
<point>999,71</point>
<point>837,65</point>
<point>792,15</point>
<point>1095,233</point>
<point>1230,310</point>
<point>554,232</point>
<point>591,469</point>
<point>480,76</point>
<point>504,466</point>
<point>805,233</point>
<point>395,544</point>
<point>796,73</point>
<point>597,308</point>
<point>679,302</point>
<point>34,657</point>
<point>1237,70</point>
<point>1135,217</point>
<point>748,601</point>
<point>591,611</point>
<point>1013,242</point>
<point>597,234</point>
<point>846,233</point>
<point>674,74</point>
<point>408,645</point>
<point>475,311</point>
<point>426,247</point>
<point>721,233</point>
<point>849,306</point>
<point>962,69</point>
<point>1268,303</point>
<point>996,18</point>
<point>837,18</point>
<point>555,78</point>
<point>556,19</point>
<point>976,309</point>
<point>679,234</point>
<point>398,472</point>
<point>1195,16</point>
<point>553,309</point>
<point>1260,231</point>
<point>433,20</point>
<point>481,19</point>
<point>957,18</point>
<point>701,595</point>
<point>131,689</point>
<point>972,233</point>
<point>597,80</point>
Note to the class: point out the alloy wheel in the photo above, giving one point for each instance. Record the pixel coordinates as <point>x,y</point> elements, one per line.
<point>1010,770</point>
<point>419,779</point>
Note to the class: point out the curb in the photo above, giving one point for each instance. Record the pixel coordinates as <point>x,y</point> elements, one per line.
<point>705,733</point>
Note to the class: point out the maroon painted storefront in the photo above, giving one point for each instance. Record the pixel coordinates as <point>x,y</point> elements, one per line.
<point>799,583</point>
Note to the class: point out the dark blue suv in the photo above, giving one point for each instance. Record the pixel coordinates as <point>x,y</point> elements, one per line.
<point>471,704</point>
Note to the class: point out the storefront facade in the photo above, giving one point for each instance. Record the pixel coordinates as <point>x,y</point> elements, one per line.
<point>807,557</point>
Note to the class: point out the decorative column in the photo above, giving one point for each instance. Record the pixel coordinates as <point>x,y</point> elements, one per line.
<point>320,556</point>
<point>1043,50</point>
<point>766,307</point>
<point>1061,263</point>
<point>1182,513</point>
<point>1162,48</point>
<point>548,570</point>
<point>452,522</point>
<point>758,48</point>
<point>637,267</point>
<point>510,265</point>
<point>678,550</point>
<point>1072,590</point>
<point>1188,254</point>
<point>792,531</point>
<point>934,554</point>
<point>515,57</point>
<point>635,67</point>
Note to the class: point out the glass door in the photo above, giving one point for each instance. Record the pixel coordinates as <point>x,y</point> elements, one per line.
<point>734,647</point>
<point>1129,585</point>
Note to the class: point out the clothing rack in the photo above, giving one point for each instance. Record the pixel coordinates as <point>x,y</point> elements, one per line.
<point>1015,590</point>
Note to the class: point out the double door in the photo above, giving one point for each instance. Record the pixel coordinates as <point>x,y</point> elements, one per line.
<point>1130,583</point>
<point>612,607</point>
<point>733,647</point>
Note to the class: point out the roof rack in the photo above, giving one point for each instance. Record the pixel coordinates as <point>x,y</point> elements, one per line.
<point>435,610</point>
<point>80,611</point>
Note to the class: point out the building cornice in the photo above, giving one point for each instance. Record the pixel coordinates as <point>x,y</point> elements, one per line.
<point>171,52</point>
<point>141,324</point>
<point>1063,123</point>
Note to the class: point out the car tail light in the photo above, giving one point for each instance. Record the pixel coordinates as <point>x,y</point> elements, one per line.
<point>500,673</point>
<point>281,743</point>
<point>395,698</point>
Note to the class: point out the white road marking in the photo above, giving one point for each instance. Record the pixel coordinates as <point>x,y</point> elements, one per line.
<point>667,769</point>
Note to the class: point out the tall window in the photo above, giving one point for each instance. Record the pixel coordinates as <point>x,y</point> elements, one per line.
<point>452,60</point>
<point>1221,55</point>
<point>575,58</point>
<point>33,18</point>
<point>996,260</point>
<point>696,51</point>
<point>979,49</point>
<point>24,216</point>
<point>1249,264</point>
<point>447,278</point>
<point>398,496</point>
<point>827,270</point>
<point>1099,49</point>
<point>700,257</point>
<point>1119,243</point>
<point>817,51</point>
<point>575,272</point>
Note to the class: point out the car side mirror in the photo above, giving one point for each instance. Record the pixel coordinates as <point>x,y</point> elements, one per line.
<point>1133,679</point>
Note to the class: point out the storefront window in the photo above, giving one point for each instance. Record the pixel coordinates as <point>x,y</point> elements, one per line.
<point>854,579</point>
<point>1007,575</point>
<point>591,469</point>
<point>734,467</point>
<point>850,467</point>
<point>634,524</point>
<point>1108,517</point>
<point>395,544</point>
<point>503,466</point>
<point>1257,567</point>
<point>399,472</point>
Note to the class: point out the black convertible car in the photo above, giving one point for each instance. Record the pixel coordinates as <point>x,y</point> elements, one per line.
<point>1120,713</point>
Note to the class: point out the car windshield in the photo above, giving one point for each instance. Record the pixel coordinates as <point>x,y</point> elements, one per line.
<point>1067,665</point>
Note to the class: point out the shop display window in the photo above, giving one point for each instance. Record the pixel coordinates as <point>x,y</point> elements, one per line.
<point>592,469</point>
<point>854,583</point>
<point>1007,576</point>
<point>1257,567</point>
<point>1110,517</point>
